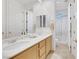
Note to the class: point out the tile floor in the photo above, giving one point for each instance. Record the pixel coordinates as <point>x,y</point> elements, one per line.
<point>61,52</point>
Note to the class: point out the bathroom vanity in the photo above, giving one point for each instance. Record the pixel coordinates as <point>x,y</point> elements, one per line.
<point>37,51</point>
<point>30,48</point>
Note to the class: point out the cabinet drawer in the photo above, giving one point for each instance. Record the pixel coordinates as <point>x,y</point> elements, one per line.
<point>42,51</point>
<point>48,45</point>
<point>42,44</point>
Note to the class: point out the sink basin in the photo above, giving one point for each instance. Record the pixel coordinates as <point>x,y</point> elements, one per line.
<point>7,43</point>
<point>15,45</point>
<point>31,36</point>
<point>23,40</point>
<point>28,37</point>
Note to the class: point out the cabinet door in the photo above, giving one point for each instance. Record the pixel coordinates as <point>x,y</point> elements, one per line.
<point>28,54</point>
<point>48,45</point>
<point>42,50</point>
<point>42,44</point>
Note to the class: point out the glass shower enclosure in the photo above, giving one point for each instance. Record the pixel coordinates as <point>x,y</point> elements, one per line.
<point>62,22</point>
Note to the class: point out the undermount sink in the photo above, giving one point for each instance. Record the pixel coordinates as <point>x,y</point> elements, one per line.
<point>17,44</point>
<point>28,36</point>
<point>31,36</point>
<point>6,43</point>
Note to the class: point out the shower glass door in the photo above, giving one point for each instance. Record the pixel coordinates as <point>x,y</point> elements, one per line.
<point>62,22</point>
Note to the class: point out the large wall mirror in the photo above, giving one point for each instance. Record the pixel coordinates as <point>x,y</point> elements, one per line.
<point>15,19</point>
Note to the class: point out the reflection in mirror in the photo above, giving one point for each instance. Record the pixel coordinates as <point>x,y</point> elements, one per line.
<point>26,22</point>
<point>41,20</point>
<point>13,22</point>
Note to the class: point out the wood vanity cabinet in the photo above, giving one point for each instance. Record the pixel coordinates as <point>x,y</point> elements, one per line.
<point>48,45</point>
<point>38,51</point>
<point>31,53</point>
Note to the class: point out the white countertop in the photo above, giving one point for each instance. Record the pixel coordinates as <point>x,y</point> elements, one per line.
<point>21,45</point>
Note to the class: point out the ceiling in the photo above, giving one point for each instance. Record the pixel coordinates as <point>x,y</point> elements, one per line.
<point>27,3</point>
